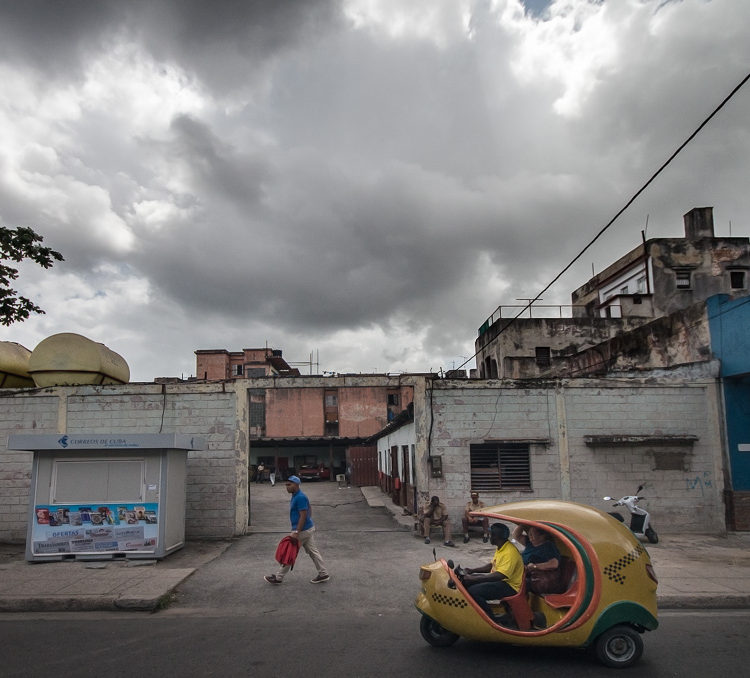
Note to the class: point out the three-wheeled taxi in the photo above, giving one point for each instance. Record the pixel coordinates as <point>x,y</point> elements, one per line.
<point>607,598</point>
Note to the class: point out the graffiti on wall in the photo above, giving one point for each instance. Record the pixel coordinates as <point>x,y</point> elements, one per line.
<point>700,483</point>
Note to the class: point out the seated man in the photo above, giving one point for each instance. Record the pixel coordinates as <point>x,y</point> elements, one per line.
<point>541,557</point>
<point>468,519</point>
<point>435,513</point>
<point>500,578</point>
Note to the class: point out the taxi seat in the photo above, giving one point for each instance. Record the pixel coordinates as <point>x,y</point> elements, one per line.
<point>568,597</point>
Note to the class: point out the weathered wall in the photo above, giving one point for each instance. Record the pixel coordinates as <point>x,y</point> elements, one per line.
<point>294,406</point>
<point>683,482</point>
<point>563,336</point>
<point>362,411</point>
<point>292,412</point>
<point>212,366</point>
<point>217,476</point>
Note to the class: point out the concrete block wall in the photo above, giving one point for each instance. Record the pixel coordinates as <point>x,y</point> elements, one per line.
<point>683,484</point>
<point>684,481</point>
<point>217,476</point>
<point>20,415</point>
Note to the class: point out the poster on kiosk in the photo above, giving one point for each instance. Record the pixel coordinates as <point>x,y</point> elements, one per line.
<point>111,528</point>
<point>97,496</point>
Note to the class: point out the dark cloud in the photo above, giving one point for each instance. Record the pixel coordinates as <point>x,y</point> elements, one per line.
<point>225,174</point>
<point>222,41</point>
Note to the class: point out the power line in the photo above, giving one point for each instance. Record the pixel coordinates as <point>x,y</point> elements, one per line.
<point>614,218</point>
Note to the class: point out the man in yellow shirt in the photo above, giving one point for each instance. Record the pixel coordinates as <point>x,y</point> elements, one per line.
<point>500,578</point>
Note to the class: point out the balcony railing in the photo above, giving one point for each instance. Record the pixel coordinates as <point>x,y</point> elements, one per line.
<point>529,311</point>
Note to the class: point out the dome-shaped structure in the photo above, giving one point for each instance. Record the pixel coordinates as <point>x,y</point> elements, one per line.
<point>69,359</point>
<point>14,366</point>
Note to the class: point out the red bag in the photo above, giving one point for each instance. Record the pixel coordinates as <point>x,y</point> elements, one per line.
<point>286,551</point>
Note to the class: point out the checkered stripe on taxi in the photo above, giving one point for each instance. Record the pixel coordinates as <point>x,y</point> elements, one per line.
<point>614,570</point>
<point>451,601</point>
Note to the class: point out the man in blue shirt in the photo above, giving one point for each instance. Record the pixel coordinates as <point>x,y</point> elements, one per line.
<point>303,530</point>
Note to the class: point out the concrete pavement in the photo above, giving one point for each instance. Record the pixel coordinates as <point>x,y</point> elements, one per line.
<point>701,571</point>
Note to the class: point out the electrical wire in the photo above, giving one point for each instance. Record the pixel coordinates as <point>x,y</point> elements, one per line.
<point>619,213</point>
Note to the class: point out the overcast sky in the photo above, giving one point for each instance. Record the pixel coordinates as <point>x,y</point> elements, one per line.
<point>363,180</point>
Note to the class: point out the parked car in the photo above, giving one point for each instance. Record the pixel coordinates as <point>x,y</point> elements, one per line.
<point>314,472</point>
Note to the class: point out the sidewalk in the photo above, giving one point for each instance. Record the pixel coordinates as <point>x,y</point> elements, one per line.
<point>698,571</point>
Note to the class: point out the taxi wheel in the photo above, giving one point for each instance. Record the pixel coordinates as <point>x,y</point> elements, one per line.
<point>619,647</point>
<point>435,634</point>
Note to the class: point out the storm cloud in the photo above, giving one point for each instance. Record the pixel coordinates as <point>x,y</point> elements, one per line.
<point>366,179</point>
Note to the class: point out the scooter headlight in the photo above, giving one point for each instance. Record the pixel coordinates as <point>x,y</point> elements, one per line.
<point>424,574</point>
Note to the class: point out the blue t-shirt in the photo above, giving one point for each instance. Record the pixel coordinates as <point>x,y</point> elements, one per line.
<point>547,550</point>
<point>300,503</point>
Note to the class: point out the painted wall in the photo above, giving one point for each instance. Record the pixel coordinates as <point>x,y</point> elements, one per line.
<point>404,436</point>
<point>730,341</point>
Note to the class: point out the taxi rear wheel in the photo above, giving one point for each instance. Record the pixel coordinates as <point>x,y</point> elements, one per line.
<point>435,634</point>
<point>619,647</point>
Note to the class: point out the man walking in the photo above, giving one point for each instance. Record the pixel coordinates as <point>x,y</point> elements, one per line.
<point>303,529</point>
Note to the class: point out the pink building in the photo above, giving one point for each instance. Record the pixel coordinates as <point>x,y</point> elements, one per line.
<point>298,422</point>
<point>219,364</point>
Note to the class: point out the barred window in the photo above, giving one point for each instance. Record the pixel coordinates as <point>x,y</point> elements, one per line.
<point>500,466</point>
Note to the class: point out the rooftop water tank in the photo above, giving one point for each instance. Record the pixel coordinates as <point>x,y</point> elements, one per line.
<point>69,359</point>
<point>14,366</point>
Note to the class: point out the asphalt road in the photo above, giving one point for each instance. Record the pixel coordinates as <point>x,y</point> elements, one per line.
<point>382,644</point>
<point>227,621</point>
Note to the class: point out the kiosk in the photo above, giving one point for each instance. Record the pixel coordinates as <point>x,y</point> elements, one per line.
<point>101,496</point>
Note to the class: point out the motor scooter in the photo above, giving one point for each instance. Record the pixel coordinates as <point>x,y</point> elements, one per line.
<point>640,519</point>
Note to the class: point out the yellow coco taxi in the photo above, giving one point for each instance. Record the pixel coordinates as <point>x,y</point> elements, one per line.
<point>608,596</point>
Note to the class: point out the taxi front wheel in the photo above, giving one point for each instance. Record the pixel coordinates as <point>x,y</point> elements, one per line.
<point>619,647</point>
<point>435,634</point>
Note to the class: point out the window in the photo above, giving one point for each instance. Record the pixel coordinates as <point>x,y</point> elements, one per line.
<point>500,466</point>
<point>543,356</point>
<point>682,280</point>
<point>236,370</point>
<point>331,400</point>
<point>624,290</point>
<point>737,280</point>
<point>332,428</point>
<point>393,399</point>
<point>641,284</point>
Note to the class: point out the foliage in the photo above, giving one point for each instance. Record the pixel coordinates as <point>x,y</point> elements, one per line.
<point>17,244</point>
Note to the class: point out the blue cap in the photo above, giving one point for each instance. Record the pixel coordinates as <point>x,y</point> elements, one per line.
<point>294,479</point>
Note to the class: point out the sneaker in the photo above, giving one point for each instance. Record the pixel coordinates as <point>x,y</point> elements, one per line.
<point>320,579</point>
<point>272,579</point>
<point>426,540</point>
<point>448,543</point>
<point>485,539</point>
<point>466,539</point>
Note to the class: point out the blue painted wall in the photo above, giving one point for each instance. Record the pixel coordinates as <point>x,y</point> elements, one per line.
<point>729,323</point>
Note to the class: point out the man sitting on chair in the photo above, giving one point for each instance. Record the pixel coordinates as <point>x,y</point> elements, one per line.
<point>435,513</point>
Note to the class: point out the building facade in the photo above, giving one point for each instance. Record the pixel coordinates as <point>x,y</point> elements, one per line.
<point>663,277</point>
<point>220,364</point>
